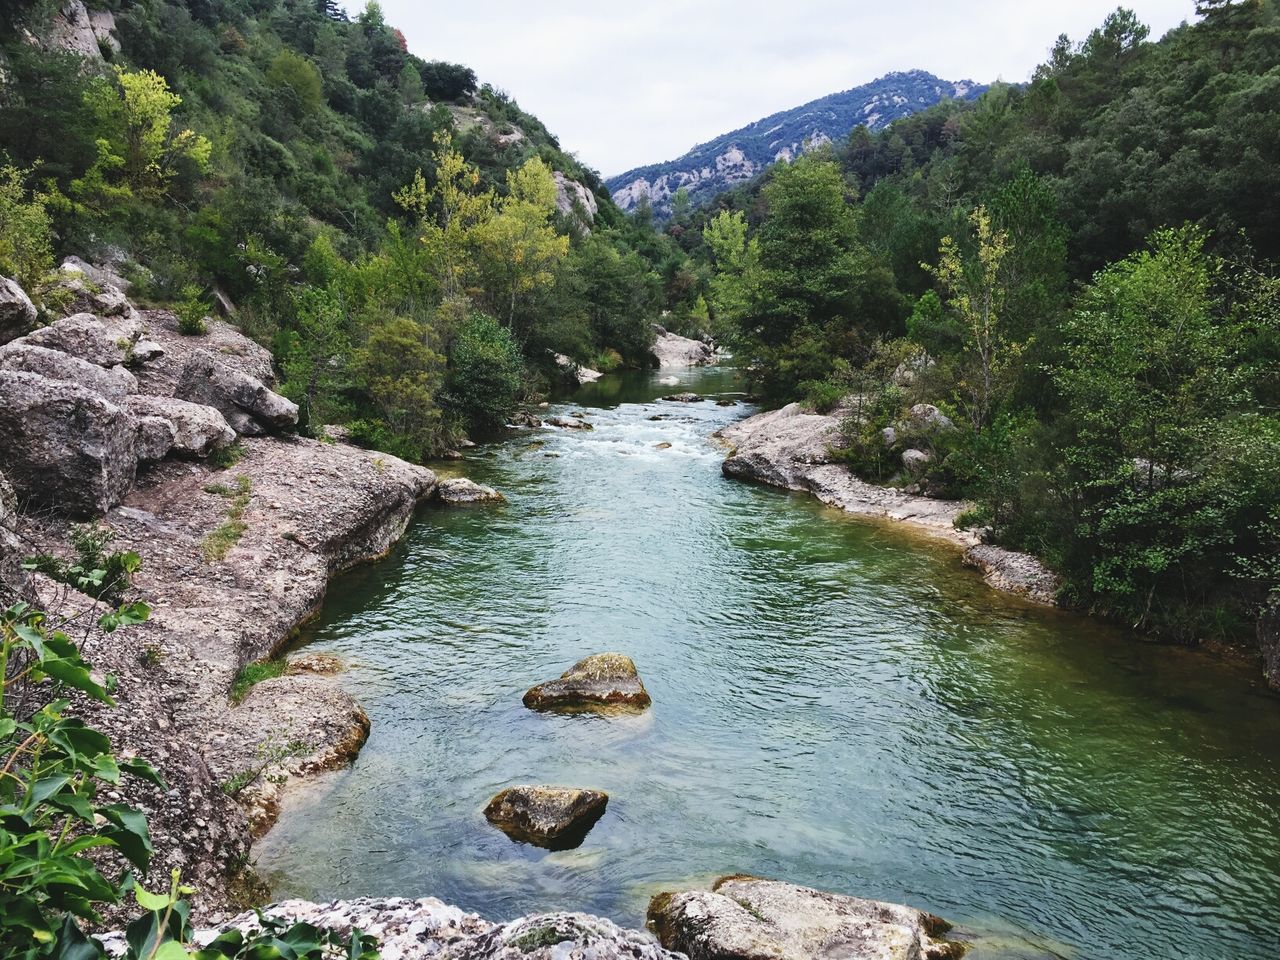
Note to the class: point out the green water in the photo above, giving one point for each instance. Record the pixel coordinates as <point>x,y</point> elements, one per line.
<point>836,703</point>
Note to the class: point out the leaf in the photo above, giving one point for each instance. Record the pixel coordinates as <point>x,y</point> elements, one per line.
<point>148,900</point>
<point>132,837</point>
<point>170,950</point>
<point>72,943</point>
<point>144,771</point>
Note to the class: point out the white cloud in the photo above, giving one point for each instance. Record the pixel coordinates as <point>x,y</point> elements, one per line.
<point>623,84</point>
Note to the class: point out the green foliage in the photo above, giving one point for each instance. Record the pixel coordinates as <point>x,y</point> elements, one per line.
<point>26,231</point>
<point>191,311</point>
<point>298,79</point>
<point>219,542</point>
<point>485,374</point>
<point>94,572</point>
<point>254,673</point>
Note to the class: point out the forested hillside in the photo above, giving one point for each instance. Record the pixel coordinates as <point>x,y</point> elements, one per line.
<point>1081,274</point>
<point>410,242</point>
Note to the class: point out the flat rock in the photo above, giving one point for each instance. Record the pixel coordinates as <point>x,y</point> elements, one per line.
<point>112,383</point>
<point>568,423</point>
<point>198,430</point>
<point>558,818</point>
<point>745,918</point>
<point>460,490</point>
<point>17,312</point>
<point>602,682</point>
<point>428,929</point>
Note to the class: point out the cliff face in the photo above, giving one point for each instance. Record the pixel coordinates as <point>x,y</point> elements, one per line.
<point>737,157</point>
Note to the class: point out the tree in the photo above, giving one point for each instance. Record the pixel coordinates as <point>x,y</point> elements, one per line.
<point>485,372</point>
<point>976,293</point>
<point>403,374</point>
<point>315,358</point>
<point>26,233</point>
<point>299,77</point>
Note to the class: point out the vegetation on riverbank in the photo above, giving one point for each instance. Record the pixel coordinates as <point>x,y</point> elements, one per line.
<point>1081,274</point>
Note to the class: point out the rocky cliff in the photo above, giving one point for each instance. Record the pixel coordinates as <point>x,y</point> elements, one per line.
<point>735,158</point>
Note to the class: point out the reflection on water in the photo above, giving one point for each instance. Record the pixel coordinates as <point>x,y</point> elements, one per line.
<point>836,703</point>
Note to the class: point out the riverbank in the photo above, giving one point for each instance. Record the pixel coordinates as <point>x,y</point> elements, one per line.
<point>791,448</point>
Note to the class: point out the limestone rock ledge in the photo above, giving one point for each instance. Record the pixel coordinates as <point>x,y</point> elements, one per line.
<point>792,448</point>
<point>427,928</point>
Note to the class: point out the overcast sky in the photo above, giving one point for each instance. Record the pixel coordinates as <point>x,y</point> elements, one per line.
<point>625,84</point>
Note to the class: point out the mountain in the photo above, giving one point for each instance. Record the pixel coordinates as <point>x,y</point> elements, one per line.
<point>734,158</point>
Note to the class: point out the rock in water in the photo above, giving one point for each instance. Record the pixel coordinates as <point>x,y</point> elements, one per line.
<point>602,683</point>
<point>745,918</point>
<point>65,446</point>
<point>558,818</point>
<point>462,490</point>
<point>17,313</point>
<point>684,398</point>
<point>568,423</point>
<point>673,350</point>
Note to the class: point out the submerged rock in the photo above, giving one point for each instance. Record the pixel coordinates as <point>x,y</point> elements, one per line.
<point>460,490</point>
<point>745,918</point>
<point>726,402</point>
<point>558,818</point>
<point>602,682</point>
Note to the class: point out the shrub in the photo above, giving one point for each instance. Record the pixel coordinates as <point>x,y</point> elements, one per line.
<point>94,572</point>
<point>26,233</point>
<point>485,372</point>
<point>191,311</point>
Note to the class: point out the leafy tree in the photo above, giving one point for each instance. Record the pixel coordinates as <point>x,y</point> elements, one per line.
<point>485,373</point>
<point>299,78</point>
<point>26,231</point>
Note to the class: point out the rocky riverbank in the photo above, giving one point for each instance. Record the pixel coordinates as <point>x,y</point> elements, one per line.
<point>791,448</point>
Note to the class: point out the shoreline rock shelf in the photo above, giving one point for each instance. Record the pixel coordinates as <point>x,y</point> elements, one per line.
<point>601,683</point>
<point>791,448</point>
<point>558,818</point>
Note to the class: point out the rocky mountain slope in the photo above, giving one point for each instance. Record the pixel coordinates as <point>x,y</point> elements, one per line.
<point>713,167</point>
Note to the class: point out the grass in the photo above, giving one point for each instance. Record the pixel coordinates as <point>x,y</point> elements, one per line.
<point>254,673</point>
<point>228,456</point>
<point>218,543</point>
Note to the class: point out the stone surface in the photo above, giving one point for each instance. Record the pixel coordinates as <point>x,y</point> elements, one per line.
<point>63,445</point>
<point>17,312</point>
<point>793,449</point>
<point>428,929</point>
<point>673,350</point>
<point>744,918</point>
<point>102,275</point>
<point>929,417</point>
<point>1269,643</point>
<point>568,423</point>
<point>577,372</point>
<point>111,383</point>
<point>460,490</point>
<point>198,430</point>
<point>12,578</point>
<point>84,336</point>
<point>602,682</point>
<point>574,199</point>
<point>683,398</point>
<point>558,818</point>
<point>155,438</point>
<point>915,461</point>
<point>161,375</point>
<point>250,407</point>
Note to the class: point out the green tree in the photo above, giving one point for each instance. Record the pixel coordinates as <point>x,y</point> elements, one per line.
<point>26,231</point>
<point>485,373</point>
<point>299,78</point>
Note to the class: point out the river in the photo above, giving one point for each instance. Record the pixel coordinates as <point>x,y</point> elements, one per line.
<point>836,703</point>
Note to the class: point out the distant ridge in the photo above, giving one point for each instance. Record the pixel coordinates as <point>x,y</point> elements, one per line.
<point>713,167</point>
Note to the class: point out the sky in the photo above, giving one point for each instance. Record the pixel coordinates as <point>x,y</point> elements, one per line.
<point>626,84</point>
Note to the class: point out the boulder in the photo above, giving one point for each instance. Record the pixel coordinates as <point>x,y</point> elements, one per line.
<point>558,818</point>
<point>198,430</point>
<point>573,198</point>
<point>601,683</point>
<point>673,350</point>
<point>929,417</point>
<point>155,439</point>
<point>12,577</point>
<point>17,312</point>
<point>889,435</point>
<point>523,418</point>
<point>779,446</point>
<point>582,375</point>
<point>744,918</point>
<point>101,275</point>
<point>64,445</point>
<point>1269,643</point>
<point>113,383</point>
<point>84,336</point>
<point>726,402</point>
<point>683,398</point>
<point>101,296</point>
<point>461,490</point>
<point>568,423</point>
<point>249,406</point>
<point>916,461</point>
<point>428,929</point>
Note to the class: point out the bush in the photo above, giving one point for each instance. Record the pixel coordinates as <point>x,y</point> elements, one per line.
<point>26,233</point>
<point>191,311</point>
<point>485,372</point>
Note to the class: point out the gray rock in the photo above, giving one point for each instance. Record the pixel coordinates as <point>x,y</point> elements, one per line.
<point>198,430</point>
<point>1014,572</point>
<point>744,918</point>
<point>428,929</point>
<point>684,398</point>
<point>600,683</point>
<point>250,407</point>
<point>12,577</point>
<point>673,350</point>
<point>155,439</point>
<point>102,275</point>
<point>568,423</point>
<point>64,445</point>
<point>931,418</point>
<point>523,418</point>
<point>85,336</point>
<point>574,199</point>
<point>17,312</point>
<point>889,435</point>
<point>583,375</point>
<point>459,490</point>
<point>145,351</point>
<point>113,383</point>
<point>558,818</point>
<point>916,461</point>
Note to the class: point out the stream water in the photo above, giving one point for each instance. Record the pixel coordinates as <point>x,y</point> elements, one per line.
<point>836,702</point>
